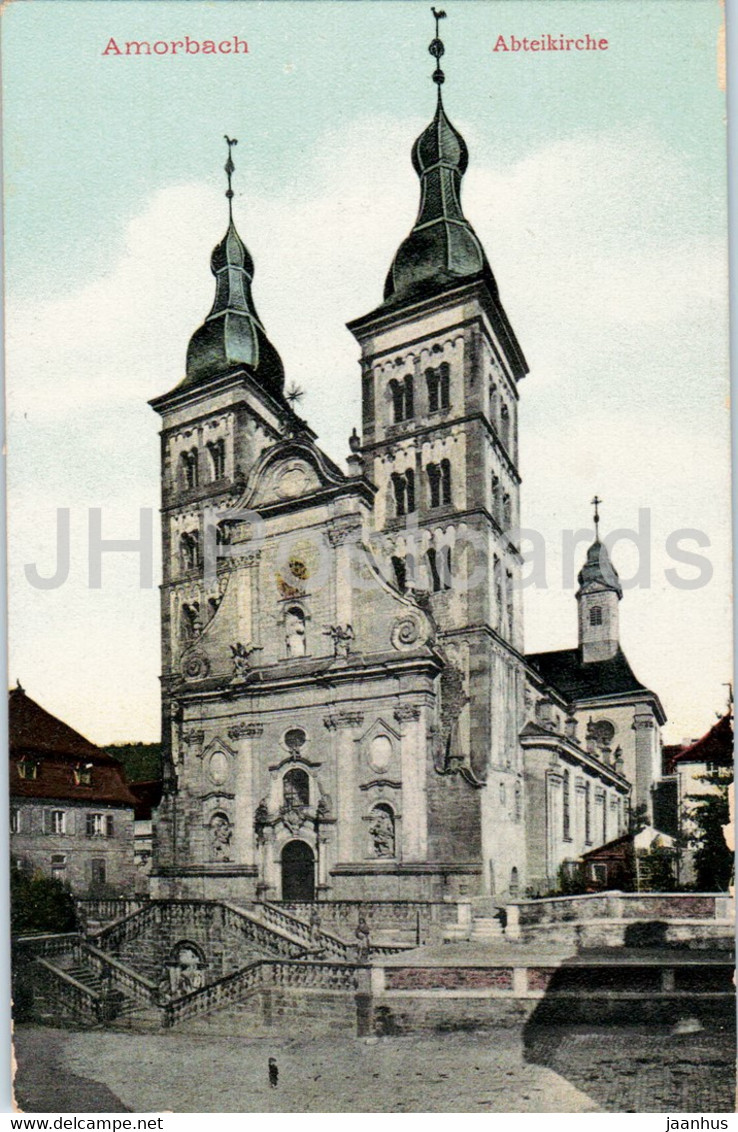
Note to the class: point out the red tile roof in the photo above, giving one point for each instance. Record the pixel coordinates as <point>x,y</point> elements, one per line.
<point>57,750</point>
<point>714,747</point>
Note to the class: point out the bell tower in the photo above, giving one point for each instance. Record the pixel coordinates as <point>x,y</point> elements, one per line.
<point>229,407</point>
<point>598,597</point>
<point>440,372</point>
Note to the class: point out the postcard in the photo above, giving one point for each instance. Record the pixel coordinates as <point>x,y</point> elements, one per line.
<point>371,715</point>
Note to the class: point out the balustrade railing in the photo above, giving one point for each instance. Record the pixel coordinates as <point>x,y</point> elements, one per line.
<point>271,938</point>
<point>127,927</point>
<point>108,910</point>
<point>72,996</point>
<point>36,946</point>
<point>313,975</point>
<point>231,988</point>
<point>122,978</point>
<point>316,939</point>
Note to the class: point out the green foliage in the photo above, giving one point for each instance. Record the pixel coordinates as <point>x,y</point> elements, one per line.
<point>638,819</point>
<point>657,870</point>
<point>571,879</point>
<point>141,761</point>
<point>707,814</point>
<point>39,903</point>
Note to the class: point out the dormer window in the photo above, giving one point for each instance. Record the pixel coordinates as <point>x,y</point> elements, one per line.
<point>83,774</point>
<point>28,769</point>
<point>190,470</point>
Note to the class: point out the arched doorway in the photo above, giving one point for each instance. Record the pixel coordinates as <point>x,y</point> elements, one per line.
<point>298,871</point>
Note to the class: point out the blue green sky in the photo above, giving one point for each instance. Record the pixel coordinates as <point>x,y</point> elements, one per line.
<point>597,184</point>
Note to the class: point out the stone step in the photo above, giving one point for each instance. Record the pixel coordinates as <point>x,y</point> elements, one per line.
<point>485,928</point>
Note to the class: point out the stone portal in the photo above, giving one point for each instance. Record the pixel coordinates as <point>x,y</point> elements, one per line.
<point>298,871</point>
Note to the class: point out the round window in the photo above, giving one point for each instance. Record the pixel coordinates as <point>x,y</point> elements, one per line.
<point>380,752</point>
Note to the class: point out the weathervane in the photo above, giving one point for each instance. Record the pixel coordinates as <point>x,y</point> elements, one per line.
<point>230,169</point>
<point>596,502</point>
<point>437,49</point>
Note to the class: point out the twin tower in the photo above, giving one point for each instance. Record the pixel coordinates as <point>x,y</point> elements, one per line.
<point>346,702</point>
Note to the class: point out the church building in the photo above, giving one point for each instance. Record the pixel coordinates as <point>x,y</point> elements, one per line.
<point>348,710</point>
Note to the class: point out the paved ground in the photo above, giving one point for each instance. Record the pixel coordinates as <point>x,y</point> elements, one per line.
<point>576,1069</point>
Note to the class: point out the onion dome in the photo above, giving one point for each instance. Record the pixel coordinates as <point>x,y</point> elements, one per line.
<point>232,335</point>
<point>442,247</point>
<point>599,571</point>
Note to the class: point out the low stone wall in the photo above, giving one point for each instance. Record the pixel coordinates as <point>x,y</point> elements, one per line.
<point>622,905</point>
<point>285,1011</point>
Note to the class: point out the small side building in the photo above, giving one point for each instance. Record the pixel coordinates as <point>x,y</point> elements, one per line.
<point>71,812</point>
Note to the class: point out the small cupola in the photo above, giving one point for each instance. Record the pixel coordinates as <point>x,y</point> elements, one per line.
<point>597,600</point>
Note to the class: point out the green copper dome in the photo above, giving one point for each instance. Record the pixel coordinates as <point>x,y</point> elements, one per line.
<point>232,334</point>
<point>442,247</point>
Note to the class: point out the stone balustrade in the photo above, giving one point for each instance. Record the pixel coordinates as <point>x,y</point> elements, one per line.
<point>64,991</point>
<point>122,978</point>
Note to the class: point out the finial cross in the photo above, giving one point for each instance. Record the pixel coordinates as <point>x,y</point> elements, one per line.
<point>230,169</point>
<point>437,49</point>
<point>596,503</point>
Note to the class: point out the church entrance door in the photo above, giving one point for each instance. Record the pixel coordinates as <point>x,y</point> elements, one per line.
<point>298,871</point>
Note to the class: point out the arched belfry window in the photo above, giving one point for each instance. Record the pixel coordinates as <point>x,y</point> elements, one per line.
<point>439,383</point>
<point>216,451</point>
<point>595,615</point>
<point>296,788</point>
<point>439,567</point>
<point>294,626</point>
<point>439,483</point>
<point>189,548</point>
<point>403,400</point>
<point>190,470</point>
<point>403,486</point>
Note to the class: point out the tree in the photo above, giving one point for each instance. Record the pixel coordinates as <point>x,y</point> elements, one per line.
<point>39,903</point>
<point>708,813</point>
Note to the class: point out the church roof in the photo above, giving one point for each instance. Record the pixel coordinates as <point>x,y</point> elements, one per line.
<point>565,670</point>
<point>57,749</point>
<point>716,746</point>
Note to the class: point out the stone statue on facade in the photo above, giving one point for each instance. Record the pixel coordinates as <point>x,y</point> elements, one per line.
<point>220,837</point>
<point>342,638</point>
<point>382,833</point>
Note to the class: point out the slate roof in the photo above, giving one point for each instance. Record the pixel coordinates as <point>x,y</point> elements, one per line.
<point>58,750</point>
<point>148,797</point>
<point>714,747</point>
<point>577,681</point>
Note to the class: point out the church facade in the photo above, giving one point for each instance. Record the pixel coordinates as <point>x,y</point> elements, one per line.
<point>347,708</point>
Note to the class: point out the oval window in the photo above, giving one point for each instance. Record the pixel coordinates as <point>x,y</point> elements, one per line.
<point>380,752</point>
<point>218,768</point>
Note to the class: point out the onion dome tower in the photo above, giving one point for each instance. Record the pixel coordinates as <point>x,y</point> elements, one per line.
<point>443,247</point>
<point>232,336</point>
